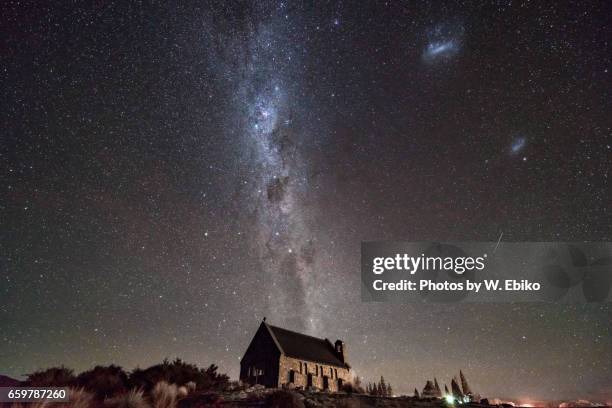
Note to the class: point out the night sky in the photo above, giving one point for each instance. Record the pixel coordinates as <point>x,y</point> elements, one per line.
<point>171,174</point>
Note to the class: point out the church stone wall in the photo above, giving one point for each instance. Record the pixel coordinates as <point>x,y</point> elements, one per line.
<point>317,370</point>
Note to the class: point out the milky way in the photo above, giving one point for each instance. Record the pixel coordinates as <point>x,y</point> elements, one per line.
<point>284,241</point>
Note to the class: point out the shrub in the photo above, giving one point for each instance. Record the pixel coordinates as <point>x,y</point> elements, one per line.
<point>131,399</point>
<point>352,388</point>
<point>51,377</point>
<point>182,391</point>
<point>164,395</point>
<point>347,403</point>
<point>104,382</point>
<point>205,400</point>
<point>284,399</point>
<point>191,386</point>
<point>181,373</point>
<point>80,398</point>
<point>236,386</point>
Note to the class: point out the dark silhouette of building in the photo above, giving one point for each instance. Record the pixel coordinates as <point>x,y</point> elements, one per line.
<point>278,357</point>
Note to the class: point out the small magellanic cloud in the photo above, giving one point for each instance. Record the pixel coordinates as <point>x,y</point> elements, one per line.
<point>518,144</point>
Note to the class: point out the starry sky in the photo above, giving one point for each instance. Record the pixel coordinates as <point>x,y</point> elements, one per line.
<point>172,173</point>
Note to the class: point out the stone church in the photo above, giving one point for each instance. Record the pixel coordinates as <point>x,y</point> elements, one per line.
<point>278,358</point>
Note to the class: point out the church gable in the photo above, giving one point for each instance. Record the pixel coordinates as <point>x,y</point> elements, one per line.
<point>260,363</point>
<point>263,338</point>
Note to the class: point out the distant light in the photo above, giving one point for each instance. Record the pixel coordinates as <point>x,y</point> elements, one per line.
<point>450,399</point>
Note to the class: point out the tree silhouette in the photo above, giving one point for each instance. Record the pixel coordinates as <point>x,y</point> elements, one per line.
<point>381,389</point>
<point>464,384</point>
<point>371,389</point>
<point>437,388</point>
<point>456,389</point>
<point>429,390</point>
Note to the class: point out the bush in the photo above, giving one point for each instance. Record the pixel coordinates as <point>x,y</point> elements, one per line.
<point>180,373</point>
<point>191,386</point>
<point>164,395</point>
<point>347,403</point>
<point>131,399</point>
<point>104,382</point>
<point>205,400</point>
<point>80,398</point>
<point>182,391</point>
<point>108,386</point>
<point>236,386</point>
<point>51,377</point>
<point>352,388</point>
<point>284,399</point>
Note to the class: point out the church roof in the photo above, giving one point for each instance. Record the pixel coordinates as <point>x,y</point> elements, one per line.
<point>302,346</point>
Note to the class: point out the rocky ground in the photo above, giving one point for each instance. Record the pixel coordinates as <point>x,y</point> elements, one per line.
<point>261,397</point>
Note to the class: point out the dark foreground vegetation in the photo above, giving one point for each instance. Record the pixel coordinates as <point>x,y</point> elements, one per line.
<point>160,386</point>
<point>178,384</point>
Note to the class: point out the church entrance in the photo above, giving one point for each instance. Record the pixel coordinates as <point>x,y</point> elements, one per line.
<point>309,380</point>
